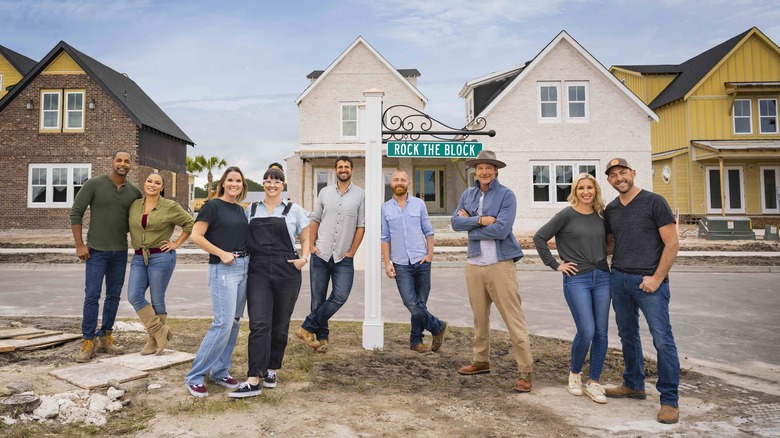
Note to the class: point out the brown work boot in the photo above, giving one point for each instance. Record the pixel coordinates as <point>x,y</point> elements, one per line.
<point>108,344</point>
<point>623,391</point>
<point>438,338</point>
<point>668,414</point>
<point>323,348</point>
<point>420,348</point>
<point>87,351</point>
<point>308,338</point>
<point>475,368</point>
<point>523,384</point>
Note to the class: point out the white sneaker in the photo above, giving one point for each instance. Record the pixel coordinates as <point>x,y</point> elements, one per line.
<point>575,383</point>
<point>596,392</point>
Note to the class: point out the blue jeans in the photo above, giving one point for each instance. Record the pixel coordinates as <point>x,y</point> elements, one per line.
<point>110,265</point>
<point>588,298</point>
<point>155,276</point>
<point>320,274</point>
<point>628,300</point>
<point>414,285</point>
<point>227,284</point>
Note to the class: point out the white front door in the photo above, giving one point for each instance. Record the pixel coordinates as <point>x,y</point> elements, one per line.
<point>429,186</point>
<point>770,190</point>
<point>733,190</point>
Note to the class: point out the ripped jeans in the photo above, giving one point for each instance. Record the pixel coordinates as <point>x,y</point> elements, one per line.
<point>227,284</point>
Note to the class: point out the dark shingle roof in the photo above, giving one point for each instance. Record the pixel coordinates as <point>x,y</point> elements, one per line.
<point>489,91</point>
<point>21,63</point>
<point>660,69</point>
<point>126,93</point>
<point>405,72</point>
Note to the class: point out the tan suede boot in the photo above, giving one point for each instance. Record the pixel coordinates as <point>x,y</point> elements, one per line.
<point>87,351</point>
<point>154,327</point>
<point>108,344</point>
<point>163,319</point>
<point>150,346</point>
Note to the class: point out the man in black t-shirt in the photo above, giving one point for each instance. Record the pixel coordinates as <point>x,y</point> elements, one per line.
<point>642,232</point>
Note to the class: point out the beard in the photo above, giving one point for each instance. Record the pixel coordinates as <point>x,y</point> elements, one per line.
<point>399,190</point>
<point>344,177</point>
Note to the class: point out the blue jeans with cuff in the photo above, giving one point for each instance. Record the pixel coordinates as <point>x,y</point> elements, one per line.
<point>111,266</point>
<point>320,274</point>
<point>414,285</point>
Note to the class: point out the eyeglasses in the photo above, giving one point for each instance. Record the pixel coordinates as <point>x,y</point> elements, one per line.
<point>273,182</point>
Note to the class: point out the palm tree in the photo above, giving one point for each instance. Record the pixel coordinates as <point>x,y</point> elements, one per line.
<point>207,164</point>
<point>193,166</point>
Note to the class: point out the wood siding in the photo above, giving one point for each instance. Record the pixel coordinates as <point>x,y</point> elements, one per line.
<point>9,74</point>
<point>63,64</point>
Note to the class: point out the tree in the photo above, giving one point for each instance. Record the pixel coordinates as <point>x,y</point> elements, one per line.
<point>193,166</point>
<point>207,164</point>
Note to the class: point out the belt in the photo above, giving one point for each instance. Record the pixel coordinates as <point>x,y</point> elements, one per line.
<point>140,251</point>
<point>240,254</point>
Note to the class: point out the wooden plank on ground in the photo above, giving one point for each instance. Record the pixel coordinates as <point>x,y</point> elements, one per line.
<point>10,333</point>
<point>39,335</point>
<point>97,374</point>
<point>31,344</point>
<point>5,348</point>
<point>151,362</point>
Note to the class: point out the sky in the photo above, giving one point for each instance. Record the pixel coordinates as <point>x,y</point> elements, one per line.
<point>228,72</point>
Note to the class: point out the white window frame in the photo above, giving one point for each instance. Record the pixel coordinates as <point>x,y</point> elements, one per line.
<point>583,102</point>
<point>43,112</point>
<point>760,117</point>
<point>764,209</point>
<point>316,172</point>
<point>734,117</point>
<point>68,112</point>
<point>557,102</point>
<point>710,209</point>
<point>1,84</point>
<point>342,120</point>
<point>50,186</point>
<point>552,184</point>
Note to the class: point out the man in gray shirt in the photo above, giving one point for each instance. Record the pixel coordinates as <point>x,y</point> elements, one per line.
<point>336,231</point>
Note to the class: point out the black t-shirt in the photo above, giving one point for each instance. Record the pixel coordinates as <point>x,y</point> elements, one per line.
<point>638,244</point>
<point>228,227</point>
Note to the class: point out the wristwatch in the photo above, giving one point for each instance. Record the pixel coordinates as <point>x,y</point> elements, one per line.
<point>306,258</point>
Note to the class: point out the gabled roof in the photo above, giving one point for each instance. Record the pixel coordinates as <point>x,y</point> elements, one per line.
<point>21,63</point>
<point>405,72</point>
<point>361,40</point>
<point>531,65</point>
<point>122,90</point>
<point>660,69</point>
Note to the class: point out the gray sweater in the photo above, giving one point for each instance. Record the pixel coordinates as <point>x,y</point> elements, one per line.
<point>580,238</point>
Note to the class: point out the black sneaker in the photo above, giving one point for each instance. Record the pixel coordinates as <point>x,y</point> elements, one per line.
<point>245,389</point>
<point>269,381</point>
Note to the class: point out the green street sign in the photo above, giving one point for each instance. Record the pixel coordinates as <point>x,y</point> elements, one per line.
<point>428,149</point>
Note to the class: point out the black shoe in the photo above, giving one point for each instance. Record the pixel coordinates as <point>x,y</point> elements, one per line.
<point>269,381</point>
<point>245,389</point>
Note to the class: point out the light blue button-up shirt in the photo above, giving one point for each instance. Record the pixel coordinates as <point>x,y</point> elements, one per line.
<point>406,229</point>
<point>297,218</point>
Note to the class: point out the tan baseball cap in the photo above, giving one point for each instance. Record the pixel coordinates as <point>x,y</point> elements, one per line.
<point>617,162</point>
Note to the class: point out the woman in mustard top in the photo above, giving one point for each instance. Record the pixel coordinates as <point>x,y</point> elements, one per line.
<point>152,220</point>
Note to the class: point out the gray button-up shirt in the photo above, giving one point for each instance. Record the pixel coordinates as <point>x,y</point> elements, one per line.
<point>339,215</point>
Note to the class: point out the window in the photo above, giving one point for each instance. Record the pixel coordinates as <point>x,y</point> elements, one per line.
<point>732,189</point>
<point>55,185</point>
<point>548,99</point>
<point>578,108</point>
<point>551,182</point>
<point>388,175</point>
<point>1,84</point>
<point>742,117</point>
<point>50,110</point>
<point>770,190</point>
<point>74,113</point>
<point>349,120</point>
<point>767,116</point>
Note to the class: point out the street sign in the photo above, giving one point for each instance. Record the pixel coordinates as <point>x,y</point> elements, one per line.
<point>428,149</point>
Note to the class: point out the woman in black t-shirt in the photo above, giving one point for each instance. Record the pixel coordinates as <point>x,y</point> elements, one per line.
<point>221,230</point>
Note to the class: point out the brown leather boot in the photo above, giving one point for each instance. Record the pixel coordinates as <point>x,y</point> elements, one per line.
<point>87,351</point>
<point>108,344</point>
<point>154,327</point>
<point>475,368</point>
<point>668,414</point>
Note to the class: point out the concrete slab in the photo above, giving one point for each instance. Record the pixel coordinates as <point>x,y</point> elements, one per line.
<point>97,374</point>
<point>151,362</point>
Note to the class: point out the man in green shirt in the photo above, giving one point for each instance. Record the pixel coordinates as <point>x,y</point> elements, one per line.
<point>109,198</point>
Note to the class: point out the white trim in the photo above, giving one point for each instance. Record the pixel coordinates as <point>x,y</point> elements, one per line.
<point>59,110</point>
<point>552,184</point>
<point>557,86</point>
<point>765,210</point>
<point>489,78</point>
<point>760,117</point>
<point>1,83</point>
<point>360,40</point>
<point>581,50</point>
<point>341,121</point>
<point>726,198</point>
<point>749,117</point>
<point>66,112</point>
<point>586,117</point>
<point>49,184</point>
<point>331,179</point>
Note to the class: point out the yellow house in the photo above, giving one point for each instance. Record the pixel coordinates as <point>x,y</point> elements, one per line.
<point>13,67</point>
<point>716,147</point>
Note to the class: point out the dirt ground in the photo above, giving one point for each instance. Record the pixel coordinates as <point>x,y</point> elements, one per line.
<point>350,391</point>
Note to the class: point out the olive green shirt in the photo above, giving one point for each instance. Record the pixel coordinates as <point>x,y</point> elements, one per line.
<point>159,224</point>
<point>109,207</point>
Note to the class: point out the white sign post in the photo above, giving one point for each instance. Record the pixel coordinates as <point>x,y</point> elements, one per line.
<point>373,325</point>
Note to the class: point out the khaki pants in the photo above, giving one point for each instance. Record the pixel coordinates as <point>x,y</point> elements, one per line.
<point>497,283</point>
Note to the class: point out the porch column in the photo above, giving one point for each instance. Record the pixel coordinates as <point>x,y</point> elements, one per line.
<point>373,326</point>
<point>722,188</point>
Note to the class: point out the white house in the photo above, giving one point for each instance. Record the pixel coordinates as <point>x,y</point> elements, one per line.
<point>558,115</point>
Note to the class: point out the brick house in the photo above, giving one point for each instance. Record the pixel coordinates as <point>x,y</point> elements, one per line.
<point>62,123</point>
<point>555,116</point>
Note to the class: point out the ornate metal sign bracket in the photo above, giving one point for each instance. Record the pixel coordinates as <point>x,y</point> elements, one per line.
<point>412,123</point>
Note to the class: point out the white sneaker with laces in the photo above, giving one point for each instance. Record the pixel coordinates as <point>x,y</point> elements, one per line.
<point>596,392</point>
<point>575,383</point>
